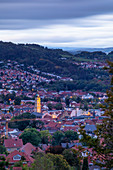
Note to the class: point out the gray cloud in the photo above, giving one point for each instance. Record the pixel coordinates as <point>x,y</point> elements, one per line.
<point>57,22</point>
<point>49,9</point>
<point>26,14</point>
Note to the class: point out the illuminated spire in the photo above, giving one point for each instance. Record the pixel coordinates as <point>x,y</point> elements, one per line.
<point>37,104</point>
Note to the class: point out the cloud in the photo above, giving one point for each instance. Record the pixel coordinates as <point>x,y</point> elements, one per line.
<point>57,23</point>
<point>49,9</point>
<point>88,32</point>
<point>25,14</point>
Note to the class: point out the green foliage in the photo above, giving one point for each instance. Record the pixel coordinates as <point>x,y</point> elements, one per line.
<point>18,164</point>
<point>70,135</point>
<point>11,109</point>
<point>38,124</point>
<point>45,136</point>
<point>50,162</point>
<point>32,136</point>
<point>57,137</point>
<point>85,164</point>
<point>59,162</point>
<point>42,162</point>
<point>50,106</point>
<point>2,149</point>
<point>17,100</point>
<point>21,125</point>
<point>3,163</point>
<point>58,106</point>
<point>67,101</point>
<point>72,158</point>
<point>26,115</point>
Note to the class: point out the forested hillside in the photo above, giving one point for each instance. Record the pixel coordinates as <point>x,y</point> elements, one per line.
<point>61,63</point>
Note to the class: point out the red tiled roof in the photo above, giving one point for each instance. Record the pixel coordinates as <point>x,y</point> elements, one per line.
<point>13,143</point>
<point>14,153</point>
<point>69,128</point>
<point>17,168</point>
<point>27,148</point>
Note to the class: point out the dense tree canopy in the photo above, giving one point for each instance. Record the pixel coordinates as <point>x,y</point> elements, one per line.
<point>32,136</point>
<point>57,137</point>
<point>45,136</point>
<point>72,158</point>
<point>70,135</point>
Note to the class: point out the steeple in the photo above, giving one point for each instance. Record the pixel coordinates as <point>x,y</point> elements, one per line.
<point>37,104</point>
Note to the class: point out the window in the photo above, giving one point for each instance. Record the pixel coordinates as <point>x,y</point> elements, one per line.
<point>9,149</point>
<point>17,157</point>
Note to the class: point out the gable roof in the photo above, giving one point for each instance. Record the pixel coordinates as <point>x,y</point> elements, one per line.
<point>14,153</point>
<point>13,143</point>
<point>28,148</point>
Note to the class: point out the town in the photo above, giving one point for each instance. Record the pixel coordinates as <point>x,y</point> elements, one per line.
<point>24,104</point>
<point>56,85</point>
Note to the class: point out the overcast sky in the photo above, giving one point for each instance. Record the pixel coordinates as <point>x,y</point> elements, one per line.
<point>57,23</point>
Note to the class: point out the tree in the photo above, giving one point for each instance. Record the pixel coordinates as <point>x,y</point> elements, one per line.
<point>72,158</point>
<point>42,162</point>
<point>17,100</point>
<point>70,135</point>
<point>103,144</point>
<point>11,109</point>
<point>3,163</point>
<point>67,101</point>
<point>85,106</point>
<point>58,106</point>
<point>50,106</point>
<point>45,136</point>
<point>2,149</point>
<point>21,125</point>
<point>25,115</point>
<point>39,124</point>
<point>85,164</point>
<point>59,162</point>
<point>57,137</point>
<point>32,136</point>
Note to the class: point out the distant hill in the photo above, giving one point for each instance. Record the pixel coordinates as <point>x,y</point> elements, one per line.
<point>79,50</point>
<point>61,63</point>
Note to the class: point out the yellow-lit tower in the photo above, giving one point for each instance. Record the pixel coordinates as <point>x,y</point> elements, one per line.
<point>37,104</point>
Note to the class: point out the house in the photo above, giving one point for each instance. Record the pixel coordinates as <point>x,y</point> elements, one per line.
<point>13,144</point>
<point>88,96</point>
<point>17,156</point>
<point>28,148</point>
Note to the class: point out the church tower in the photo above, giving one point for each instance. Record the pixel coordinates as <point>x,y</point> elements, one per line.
<point>37,104</point>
